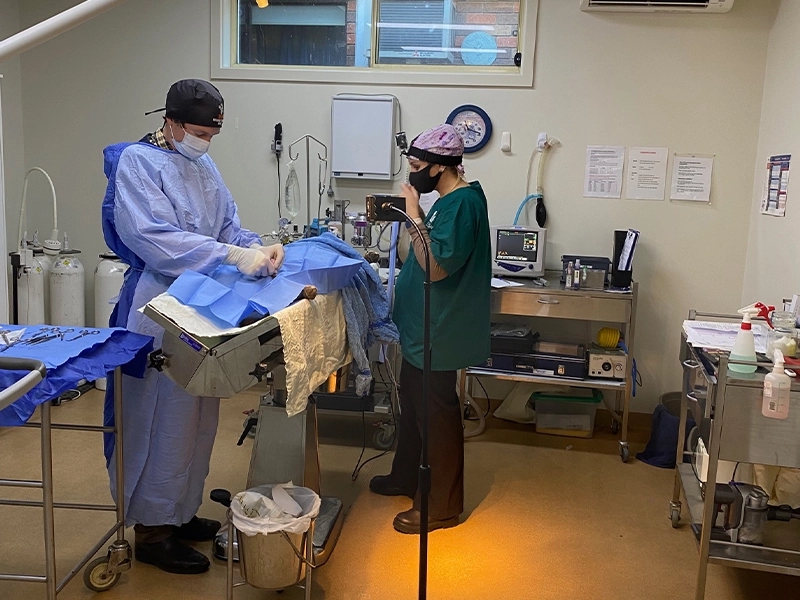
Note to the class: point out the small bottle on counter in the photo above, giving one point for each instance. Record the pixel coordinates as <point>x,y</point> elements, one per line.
<point>576,277</point>
<point>570,275</point>
<point>777,386</point>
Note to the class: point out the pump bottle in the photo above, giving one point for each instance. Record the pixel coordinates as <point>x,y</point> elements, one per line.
<point>777,386</point>
<point>744,348</point>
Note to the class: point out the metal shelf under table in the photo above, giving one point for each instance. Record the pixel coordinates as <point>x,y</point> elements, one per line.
<point>600,384</point>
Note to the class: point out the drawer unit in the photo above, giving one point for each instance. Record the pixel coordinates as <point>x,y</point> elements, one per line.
<point>532,303</point>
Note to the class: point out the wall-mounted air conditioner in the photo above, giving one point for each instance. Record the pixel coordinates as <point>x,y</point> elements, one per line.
<point>665,6</point>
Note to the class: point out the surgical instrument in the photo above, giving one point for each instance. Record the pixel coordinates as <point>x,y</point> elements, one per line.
<point>42,339</point>
<point>85,332</point>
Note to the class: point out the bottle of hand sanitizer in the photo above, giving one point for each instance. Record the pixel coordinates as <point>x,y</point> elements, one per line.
<point>777,386</point>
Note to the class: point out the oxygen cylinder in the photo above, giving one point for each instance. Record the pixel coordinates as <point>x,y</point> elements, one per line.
<point>30,293</point>
<point>67,295</point>
<point>108,278</point>
<point>51,249</point>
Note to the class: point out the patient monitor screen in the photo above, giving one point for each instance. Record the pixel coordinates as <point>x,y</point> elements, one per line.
<point>517,246</point>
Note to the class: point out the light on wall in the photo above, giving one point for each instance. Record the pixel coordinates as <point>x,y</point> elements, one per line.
<point>262,3</point>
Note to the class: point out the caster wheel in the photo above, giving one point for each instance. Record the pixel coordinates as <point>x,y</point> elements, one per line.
<point>624,453</point>
<point>675,517</point>
<point>384,438</point>
<point>95,577</point>
<point>614,426</point>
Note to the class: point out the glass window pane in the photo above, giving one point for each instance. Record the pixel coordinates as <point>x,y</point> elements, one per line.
<point>297,32</point>
<point>448,32</point>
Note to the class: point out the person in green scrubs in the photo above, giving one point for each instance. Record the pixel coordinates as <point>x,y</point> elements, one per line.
<point>456,230</point>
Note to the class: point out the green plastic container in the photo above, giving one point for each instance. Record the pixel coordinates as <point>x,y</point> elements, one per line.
<point>569,414</point>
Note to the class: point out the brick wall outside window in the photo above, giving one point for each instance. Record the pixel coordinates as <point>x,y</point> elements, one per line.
<point>502,16</point>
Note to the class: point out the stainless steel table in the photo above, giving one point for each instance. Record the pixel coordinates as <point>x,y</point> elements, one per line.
<point>555,302</point>
<point>104,572</point>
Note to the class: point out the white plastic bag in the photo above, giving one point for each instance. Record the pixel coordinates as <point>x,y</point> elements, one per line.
<point>291,194</point>
<point>254,511</point>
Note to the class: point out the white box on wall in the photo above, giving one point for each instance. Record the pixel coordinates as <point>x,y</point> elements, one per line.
<point>362,135</point>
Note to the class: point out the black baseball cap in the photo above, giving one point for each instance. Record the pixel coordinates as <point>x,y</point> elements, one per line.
<point>194,101</point>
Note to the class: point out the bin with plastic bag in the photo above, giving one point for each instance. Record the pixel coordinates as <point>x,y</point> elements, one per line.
<point>274,522</point>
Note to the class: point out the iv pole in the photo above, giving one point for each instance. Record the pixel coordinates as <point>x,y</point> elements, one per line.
<point>307,138</point>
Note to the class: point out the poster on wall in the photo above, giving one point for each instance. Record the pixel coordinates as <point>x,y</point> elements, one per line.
<point>604,165</point>
<point>691,177</point>
<point>647,173</point>
<point>776,186</point>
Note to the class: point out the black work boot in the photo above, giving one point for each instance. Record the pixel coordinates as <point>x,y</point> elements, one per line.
<point>172,556</point>
<point>198,530</point>
<point>385,486</point>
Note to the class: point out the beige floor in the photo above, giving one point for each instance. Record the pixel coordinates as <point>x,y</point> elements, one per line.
<point>542,522</point>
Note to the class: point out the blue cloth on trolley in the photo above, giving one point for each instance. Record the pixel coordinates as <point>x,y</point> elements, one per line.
<point>226,296</point>
<point>68,361</point>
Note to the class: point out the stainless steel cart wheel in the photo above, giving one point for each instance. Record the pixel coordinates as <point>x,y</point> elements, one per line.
<point>96,576</point>
<point>384,437</point>
<point>675,513</point>
<point>614,426</point>
<point>675,517</point>
<point>624,452</point>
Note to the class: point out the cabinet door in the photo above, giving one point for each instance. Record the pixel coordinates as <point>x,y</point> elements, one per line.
<point>748,436</point>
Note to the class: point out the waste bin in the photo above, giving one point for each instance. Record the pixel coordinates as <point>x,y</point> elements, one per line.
<point>272,550</point>
<point>672,402</point>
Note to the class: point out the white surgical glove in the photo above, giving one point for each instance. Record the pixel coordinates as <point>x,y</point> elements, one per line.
<point>274,253</point>
<point>249,261</point>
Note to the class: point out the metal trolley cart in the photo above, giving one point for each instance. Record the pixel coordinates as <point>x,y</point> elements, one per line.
<point>726,406</point>
<point>104,572</point>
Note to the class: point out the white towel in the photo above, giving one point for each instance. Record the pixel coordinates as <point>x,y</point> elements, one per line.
<point>314,335</point>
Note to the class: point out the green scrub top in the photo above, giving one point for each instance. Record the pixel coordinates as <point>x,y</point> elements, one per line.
<point>460,332</point>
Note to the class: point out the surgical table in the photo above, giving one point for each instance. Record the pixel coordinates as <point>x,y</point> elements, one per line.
<point>285,448</point>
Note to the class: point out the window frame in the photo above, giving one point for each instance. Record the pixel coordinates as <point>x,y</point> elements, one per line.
<point>224,39</point>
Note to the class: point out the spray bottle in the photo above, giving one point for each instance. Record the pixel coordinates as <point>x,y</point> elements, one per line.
<point>777,386</point>
<point>744,348</point>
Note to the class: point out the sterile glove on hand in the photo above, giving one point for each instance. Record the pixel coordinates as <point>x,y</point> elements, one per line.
<point>249,261</point>
<point>275,254</point>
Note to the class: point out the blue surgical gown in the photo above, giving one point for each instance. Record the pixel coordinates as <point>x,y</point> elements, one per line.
<point>173,214</point>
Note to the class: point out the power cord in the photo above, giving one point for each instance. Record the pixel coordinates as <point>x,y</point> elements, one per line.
<point>488,404</point>
<point>380,237</point>
<point>359,464</point>
<point>280,216</point>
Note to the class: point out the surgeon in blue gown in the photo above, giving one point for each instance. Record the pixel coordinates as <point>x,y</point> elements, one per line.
<point>167,210</point>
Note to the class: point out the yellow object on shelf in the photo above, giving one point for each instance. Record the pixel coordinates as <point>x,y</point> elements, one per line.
<point>608,337</point>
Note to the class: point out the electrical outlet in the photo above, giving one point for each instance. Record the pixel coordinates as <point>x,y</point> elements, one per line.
<point>541,141</point>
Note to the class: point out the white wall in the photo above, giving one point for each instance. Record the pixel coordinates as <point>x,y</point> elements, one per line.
<point>690,83</point>
<point>773,271</point>
<point>12,122</point>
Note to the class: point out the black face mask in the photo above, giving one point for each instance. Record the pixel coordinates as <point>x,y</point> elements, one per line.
<point>423,181</point>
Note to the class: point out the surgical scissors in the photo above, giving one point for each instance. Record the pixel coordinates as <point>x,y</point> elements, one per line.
<point>85,332</point>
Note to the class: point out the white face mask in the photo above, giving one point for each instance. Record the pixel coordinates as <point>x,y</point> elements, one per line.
<point>192,147</point>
